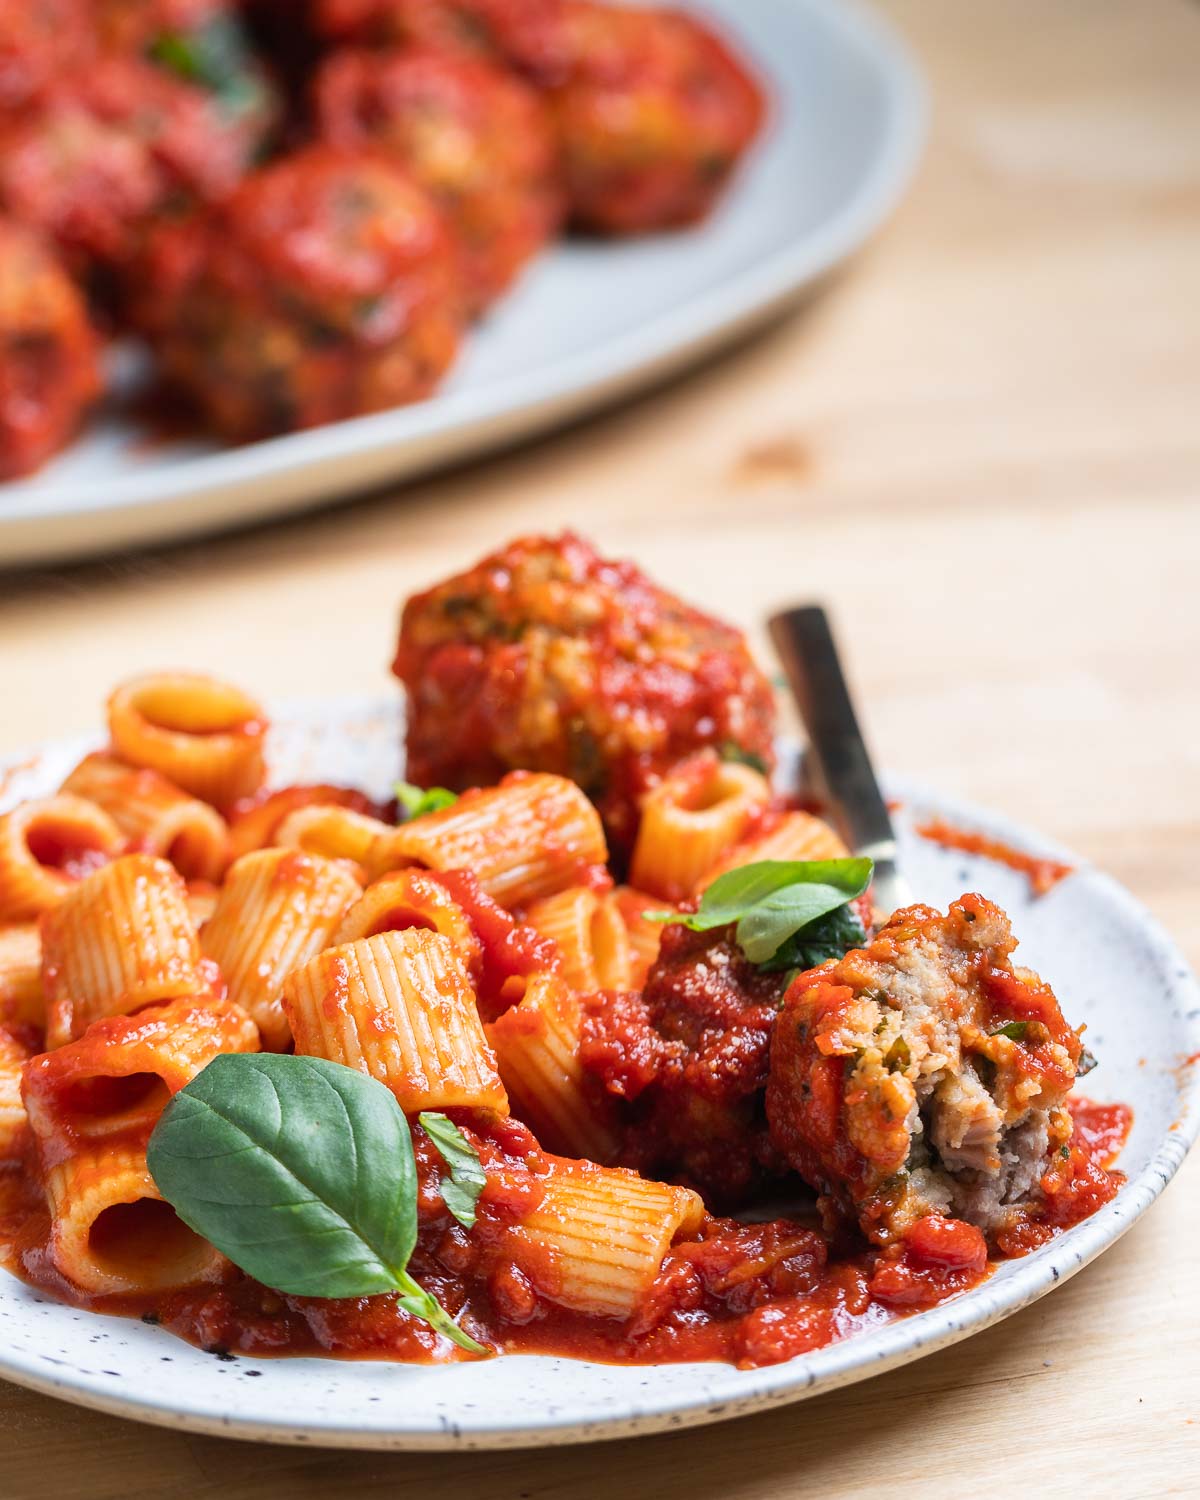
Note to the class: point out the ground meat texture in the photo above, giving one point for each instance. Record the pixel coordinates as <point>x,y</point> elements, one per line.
<point>109,150</point>
<point>547,657</point>
<point>924,1074</point>
<point>325,288</point>
<point>526,35</point>
<point>690,1057</point>
<point>477,138</point>
<point>49,371</point>
<point>653,115</point>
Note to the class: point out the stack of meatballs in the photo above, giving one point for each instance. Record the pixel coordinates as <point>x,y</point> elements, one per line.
<point>302,205</point>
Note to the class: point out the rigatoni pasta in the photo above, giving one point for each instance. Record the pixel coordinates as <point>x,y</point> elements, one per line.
<point>794,836</point>
<point>14,1122</point>
<point>643,934</point>
<point>277,908</point>
<point>154,815</point>
<point>21,1000</point>
<point>123,939</point>
<point>537,1047</point>
<point>528,837</point>
<point>46,846</point>
<point>690,820</point>
<point>336,832</point>
<point>111,1232</point>
<point>597,1239</point>
<point>203,735</point>
<point>400,1007</point>
<point>588,929</point>
<point>412,898</point>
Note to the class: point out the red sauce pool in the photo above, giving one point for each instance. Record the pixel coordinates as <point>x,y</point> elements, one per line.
<point>1043,874</point>
<point>746,1294</point>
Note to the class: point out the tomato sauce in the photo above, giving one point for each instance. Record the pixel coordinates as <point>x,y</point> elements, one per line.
<point>749,1294</point>
<point>1043,874</point>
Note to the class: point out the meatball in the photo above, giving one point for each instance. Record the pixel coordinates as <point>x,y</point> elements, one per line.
<point>49,372</point>
<point>923,1074</point>
<point>690,1057</point>
<point>478,139</point>
<point>39,39</point>
<point>325,288</point>
<point>154,26</point>
<point>110,149</point>
<point>545,656</point>
<point>528,35</point>
<point>653,116</point>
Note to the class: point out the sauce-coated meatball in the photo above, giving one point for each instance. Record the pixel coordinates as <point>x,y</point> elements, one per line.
<point>326,287</point>
<point>548,657</point>
<point>476,137</point>
<point>48,353</point>
<point>923,1074</point>
<point>653,116</point>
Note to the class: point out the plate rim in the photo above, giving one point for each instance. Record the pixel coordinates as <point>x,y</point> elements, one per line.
<point>49,521</point>
<point>1018,1285</point>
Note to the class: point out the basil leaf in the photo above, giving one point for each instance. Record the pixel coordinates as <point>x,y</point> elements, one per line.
<point>731,752</point>
<point>301,1171</point>
<point>467,1178</point>
<point>830,936</point>
<point>417,801</point>
<point>773,899</point>
<point>1014,1030</point>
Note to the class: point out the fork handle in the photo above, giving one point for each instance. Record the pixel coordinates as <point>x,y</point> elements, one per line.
<point>841,762</point>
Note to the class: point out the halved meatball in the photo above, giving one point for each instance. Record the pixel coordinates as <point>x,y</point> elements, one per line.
<point>326,287</point>
<point>49,370</point>
<point>924,1074</point>
<point>547,657</point>
<point>477,138</point>
<point>654,113</point>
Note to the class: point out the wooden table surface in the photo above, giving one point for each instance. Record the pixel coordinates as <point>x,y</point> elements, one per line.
<point>982,447</point>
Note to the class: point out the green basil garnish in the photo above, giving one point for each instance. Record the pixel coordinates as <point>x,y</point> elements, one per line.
<point>830,936</point>
<point>1014,1030</point>
<point>417,801</point>
<point>467,1178</point>
<point>733,753</point>
<point>771,901</point>
<point>301,1171</point>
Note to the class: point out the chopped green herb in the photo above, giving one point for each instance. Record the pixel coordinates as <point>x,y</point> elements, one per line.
<point>1065,1153</point>
<point>418,801</point>
<point>1014,1030</point>
<point>731,751</point>
<point>467,1178</point>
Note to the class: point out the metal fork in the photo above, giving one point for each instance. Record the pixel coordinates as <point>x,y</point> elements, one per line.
<point>842,771</point>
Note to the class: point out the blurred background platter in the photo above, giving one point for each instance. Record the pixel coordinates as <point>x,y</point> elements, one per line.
<point>591,323</point>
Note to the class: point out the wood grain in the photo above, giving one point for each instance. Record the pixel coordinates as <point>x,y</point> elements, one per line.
<point>982,448</point>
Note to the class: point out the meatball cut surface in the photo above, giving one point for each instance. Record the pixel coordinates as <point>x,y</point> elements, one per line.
<point>326,287</point>
<point>654,113</point>
<point>477,138</point>
<point>547,657</point>
<point>924,1074</point>
<point>49,353</point>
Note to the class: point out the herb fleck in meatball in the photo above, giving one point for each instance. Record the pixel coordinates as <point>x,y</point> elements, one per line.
<point>478,139</point>
<point>325,288</point>
<point>49,373</point>
<point>923,1074</point>
<point>108,150</point>
<point>546,656</point>
<point>653,114</point>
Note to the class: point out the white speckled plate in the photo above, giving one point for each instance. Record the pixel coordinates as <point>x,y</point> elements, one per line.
<point>591,323</point>
<point>1110,963</point>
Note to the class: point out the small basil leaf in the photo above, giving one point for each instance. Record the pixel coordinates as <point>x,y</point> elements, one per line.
<point>300,1170</point>
<point>1014,1030</point>
<point>417,801</point>
<point>467,1179</point>
<point>733,753</point>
